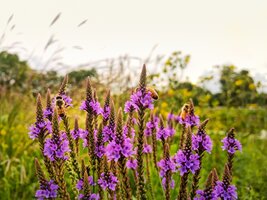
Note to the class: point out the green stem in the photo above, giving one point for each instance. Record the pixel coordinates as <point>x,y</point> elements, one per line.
<point>149,178</point>
<point>196,176</point>
<point>140,162</point>
<point>47,162</point>
<point>73,155</point>
<point>125,186</point>
<point>59,169</point>
<point>182,191</point>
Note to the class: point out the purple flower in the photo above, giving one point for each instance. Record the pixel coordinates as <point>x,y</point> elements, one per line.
<point>92,196</point>
<point>186,162</point>
<point>108,181</point>
<point>231,145</point>
<point>67,100</point>
<point>48,112</point>
<point>93,106</point>
<point>39,127</point>
<point>83,106</point>
<point>108,133</point>
<point>106,112</point>
<point>113,151</point>
<point>49,190</point>
<point>83,135</point>
<point>79,185</point>
<point>147,148</point>
<point>129,107</point>
<point>99,150</point>
<point>56,148</point>
<point>224,192</point>
<point>201,142</point>
<point>77,133</point>
<point>172,183</point>
<point>165,166</point>
<point>125,132</point>
<point>134,120</point>
<point>202,195</point>
<point>190,120</point>
<point>164,133</point>
<point>142,99</point>
<point>171,116</point>
<point>151,126</point>
<point>131,164</point>
<point>171,131</point>
<point>117,149</point>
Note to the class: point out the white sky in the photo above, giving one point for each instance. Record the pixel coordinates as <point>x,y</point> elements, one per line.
<point>213,32</point>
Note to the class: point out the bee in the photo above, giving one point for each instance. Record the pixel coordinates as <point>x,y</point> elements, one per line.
<point>184,111</point>
<point>60,103</point>
<point>153,92</point>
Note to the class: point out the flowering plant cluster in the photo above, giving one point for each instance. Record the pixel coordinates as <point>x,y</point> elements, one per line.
<point>118,157</point>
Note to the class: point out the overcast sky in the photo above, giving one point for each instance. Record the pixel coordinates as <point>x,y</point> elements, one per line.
<point>213,32</point>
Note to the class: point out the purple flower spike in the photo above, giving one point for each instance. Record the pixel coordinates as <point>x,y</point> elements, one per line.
<point>77,133</point>
<point>54,149</point>
<point>171,131</point>
<point>106,112</point>
<point>129,107</point>
<point>125,133</point>
<point>67,100</point>
<point>108,133</point>
<point>231,145</point>
<point>119,147</point>
<point>225,193</point>
<point>142,99</point>
<point>166,165</point>
<point>131,164</point>
<point>83,135</point>
<point>48,112</point>
<point>83,106</point>
<point>79,185</point>
<point>201,195</point>
<point>147,148</point>
<point>108,181</point>
<point>115,150</point>
<point>201,141</point>
<point>100,150</point>
<point>151,126</point>
<point>39,127</point>
<point>139,99</point>
<point>92,196</point>
<point>94,106</point>
<point>172,184</point>
<point>186,162</point>
<point>189,120</point>
<point>47,191</point>
<point>171,116</point>
<point>164,133</point>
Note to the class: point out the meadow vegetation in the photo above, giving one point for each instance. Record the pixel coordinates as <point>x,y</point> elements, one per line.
<point>240,104</point>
